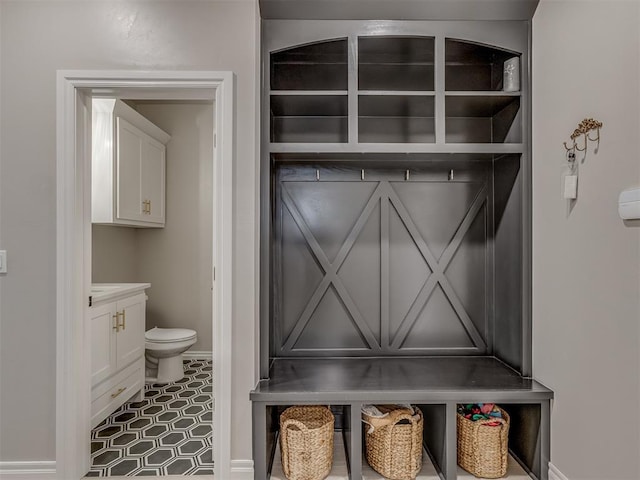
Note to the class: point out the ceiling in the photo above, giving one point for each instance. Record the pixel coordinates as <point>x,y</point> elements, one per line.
<point>398,9</point>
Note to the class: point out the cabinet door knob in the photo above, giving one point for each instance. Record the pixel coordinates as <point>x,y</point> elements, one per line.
<point>120,390</point>
<point>116,326</point>
<point>122,325</point>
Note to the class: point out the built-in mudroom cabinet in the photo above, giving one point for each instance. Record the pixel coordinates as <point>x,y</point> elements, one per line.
<point>396,231</point>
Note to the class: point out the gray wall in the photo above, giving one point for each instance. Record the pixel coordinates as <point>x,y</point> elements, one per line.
<point>176,259</point>
<point>586,264</point>
<point>36,39</point>
<point>114,254</point>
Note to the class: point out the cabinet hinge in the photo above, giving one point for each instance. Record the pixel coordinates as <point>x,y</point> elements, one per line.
<point>90,300</point>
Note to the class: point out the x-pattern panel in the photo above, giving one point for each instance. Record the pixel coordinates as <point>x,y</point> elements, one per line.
<point>331,271</point>
<point>438,269</point>
<point>388,199</point>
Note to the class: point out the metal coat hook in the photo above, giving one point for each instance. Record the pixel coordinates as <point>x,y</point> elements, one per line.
<point>450,176</point>
<point>584,130</point>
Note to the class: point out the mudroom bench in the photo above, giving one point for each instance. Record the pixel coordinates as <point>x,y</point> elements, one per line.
<point>396,220</point>
<point>435,384</point>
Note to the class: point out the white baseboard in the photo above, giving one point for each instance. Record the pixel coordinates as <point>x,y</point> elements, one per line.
<point>242,469</point>
<point>28,470</point>
<point>555,474</point>
<point>194,355</point>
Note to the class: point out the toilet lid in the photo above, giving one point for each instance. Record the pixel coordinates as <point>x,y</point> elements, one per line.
<point>164,335</point>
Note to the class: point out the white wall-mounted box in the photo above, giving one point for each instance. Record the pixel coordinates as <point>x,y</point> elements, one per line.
<point>629,204</point>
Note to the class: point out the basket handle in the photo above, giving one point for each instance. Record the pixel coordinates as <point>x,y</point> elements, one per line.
<point>296,423</point>
<point>284,439</point>
<point>480,423</point>
<point>392,417</point>
<point>395,417</point>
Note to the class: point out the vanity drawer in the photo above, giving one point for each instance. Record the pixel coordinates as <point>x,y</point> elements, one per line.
<point>111,394</point>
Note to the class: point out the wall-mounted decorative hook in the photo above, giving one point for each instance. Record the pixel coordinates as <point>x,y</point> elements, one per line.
<point>584,130</point>
<point>580,139</point>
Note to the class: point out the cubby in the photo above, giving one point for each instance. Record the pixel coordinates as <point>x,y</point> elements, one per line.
<point>395,233</point>
<point>482,119</point>
<point>309,119</point>
<point>342,439</point>
<point>471,66</point>
<point>396,119</point>
<point>396,63</point>
<point>316,66</point>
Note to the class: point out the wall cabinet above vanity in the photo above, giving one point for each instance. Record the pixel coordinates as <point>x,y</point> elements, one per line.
<point>128,167</point>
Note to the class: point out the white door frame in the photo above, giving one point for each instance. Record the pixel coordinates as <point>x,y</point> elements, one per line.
<point>73,247</point>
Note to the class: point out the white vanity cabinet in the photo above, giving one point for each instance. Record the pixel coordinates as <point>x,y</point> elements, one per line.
<point>117,326</point>
<point>128,166</point>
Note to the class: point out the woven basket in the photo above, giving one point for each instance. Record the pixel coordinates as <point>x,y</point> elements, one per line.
<point>394,449</point>
<point>306,442</point>
<point>483,449</point>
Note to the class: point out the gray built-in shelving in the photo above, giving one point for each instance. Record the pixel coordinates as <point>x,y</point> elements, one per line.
<point>396,229</point>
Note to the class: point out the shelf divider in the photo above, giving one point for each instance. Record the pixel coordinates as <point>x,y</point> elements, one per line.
<point>352,84</point>
<point>439,89</point>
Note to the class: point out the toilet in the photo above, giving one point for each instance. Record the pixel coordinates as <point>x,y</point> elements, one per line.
<point>163,352</point>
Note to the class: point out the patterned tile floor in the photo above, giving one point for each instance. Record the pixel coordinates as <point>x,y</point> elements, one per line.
<point>168,433</point>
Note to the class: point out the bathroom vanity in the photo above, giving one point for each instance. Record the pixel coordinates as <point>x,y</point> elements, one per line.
<point>116,325</point>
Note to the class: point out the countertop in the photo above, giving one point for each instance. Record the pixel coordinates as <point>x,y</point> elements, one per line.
<point>101,292</point>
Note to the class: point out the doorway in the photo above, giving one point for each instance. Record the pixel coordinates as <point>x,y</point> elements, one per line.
<point>75,92</point>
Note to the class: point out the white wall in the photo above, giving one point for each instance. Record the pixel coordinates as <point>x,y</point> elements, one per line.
<point>36,39</point>
<point>114,254</point>
<point>586,264</point>
<point>177,259</point>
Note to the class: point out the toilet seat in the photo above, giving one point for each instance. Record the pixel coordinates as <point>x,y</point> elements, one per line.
<point>169,335</point>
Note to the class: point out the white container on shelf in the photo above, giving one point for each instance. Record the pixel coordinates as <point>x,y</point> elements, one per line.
<point>511,75</point>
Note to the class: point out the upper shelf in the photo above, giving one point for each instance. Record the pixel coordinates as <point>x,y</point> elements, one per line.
<point>460,146</point>
<point>365,90</point>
